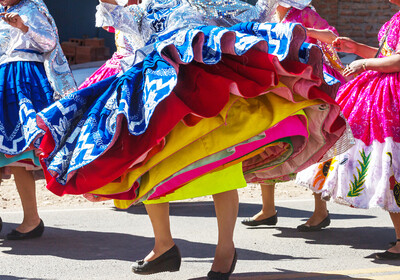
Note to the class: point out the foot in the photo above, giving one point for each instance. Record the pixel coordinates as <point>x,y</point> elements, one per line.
<point>261,219</point>
<point>222,273</point>
<point>223,259</point>
<point>264,214</point>
<point>387,256</point>
<point>168,261</point>
<point>395,248</point>
<point>158,250</point>
<point>34,233</point>
<point>317,218</point>
<point>392,254</point>
<point>315,223</point>
<point>28,226</point>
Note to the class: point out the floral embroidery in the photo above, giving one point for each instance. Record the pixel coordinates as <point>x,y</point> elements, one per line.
<point>395,187</point>
<point>323,170</point>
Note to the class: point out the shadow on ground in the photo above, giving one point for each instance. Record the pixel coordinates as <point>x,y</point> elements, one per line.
<point>206,209</point>
<point>8,277</point>
<point>287,274</point>
<point>91,245</point>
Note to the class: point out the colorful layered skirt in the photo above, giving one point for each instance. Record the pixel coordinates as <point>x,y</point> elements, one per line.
<point>24,91</point>
<point>204,108</point>
<point>366,175</point>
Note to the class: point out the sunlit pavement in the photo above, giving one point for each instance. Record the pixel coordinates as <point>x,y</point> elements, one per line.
<point>101,243</point>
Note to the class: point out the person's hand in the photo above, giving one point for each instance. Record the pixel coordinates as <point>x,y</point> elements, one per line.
<point>14,20</point>
<point>344,44</point>
<point>354,68</point>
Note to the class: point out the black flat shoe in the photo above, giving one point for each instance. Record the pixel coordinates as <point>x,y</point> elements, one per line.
<point>169,261</point>
<point>387,256</point>
<point>212,275</point>
<point>271,221</point>
<point>325,222</point>
<point>35,233</point>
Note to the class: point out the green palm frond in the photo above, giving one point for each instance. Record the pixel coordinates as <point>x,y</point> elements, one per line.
<point>359,180</point>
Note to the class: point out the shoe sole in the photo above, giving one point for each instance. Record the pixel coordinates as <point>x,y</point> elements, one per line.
<point>323,224</point>
<point>165,268</point>
<point>271,221</point>
<point>149,273</point>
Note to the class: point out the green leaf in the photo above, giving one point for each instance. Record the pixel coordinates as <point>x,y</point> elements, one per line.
<point>356,185</point>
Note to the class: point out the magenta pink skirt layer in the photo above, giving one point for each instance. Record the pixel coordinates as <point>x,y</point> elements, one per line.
<point>108,69</point>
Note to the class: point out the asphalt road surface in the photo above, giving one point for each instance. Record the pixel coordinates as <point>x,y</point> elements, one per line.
<point>101,243</point>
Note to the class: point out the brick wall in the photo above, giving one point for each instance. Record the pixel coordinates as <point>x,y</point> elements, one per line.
<point>357,19</point>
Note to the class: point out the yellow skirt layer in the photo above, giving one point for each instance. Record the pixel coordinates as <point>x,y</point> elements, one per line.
<point>243,119</point>
<point>230,178</point>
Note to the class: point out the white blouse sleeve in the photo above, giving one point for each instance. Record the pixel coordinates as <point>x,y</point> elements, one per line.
<point>40,33</point>
<point>263,11</point>
<point>229,12</point>
<point>127,19</point>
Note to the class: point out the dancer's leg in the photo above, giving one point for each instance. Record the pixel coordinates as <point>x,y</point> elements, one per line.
<point>320,211</point>
<point>268,202</point>
<point>226,209</point>
<point>25,183</point>
<point>267,214</point>
<point>396,223</point>
<point>159,217</point>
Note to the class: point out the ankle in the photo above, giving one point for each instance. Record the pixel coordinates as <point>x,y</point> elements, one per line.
<point>268,212</point>
<point>223,260</point>
<point>159,249</point>
<point>31,221</point>
<point>322,213</point>
<point>164,244</point>
<point>264,214</point>
<point>28,225</point>
<point>225,247</point>
<point>316,218</point>
<point>395,248</point>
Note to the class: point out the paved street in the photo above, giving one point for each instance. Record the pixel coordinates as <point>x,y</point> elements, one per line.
<point>84,70</point>
<point>101,243</point>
